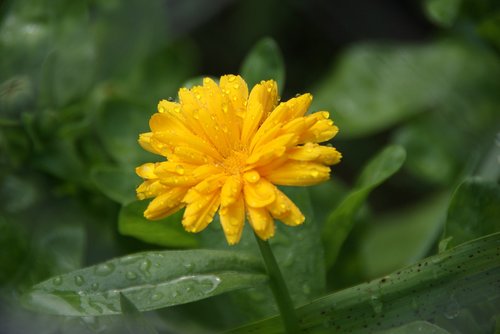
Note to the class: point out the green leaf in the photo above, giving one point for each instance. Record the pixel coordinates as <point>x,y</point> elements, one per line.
<point>443,12</point>
<point>150,280</point>
<point>411,231</point>
<point>117,183</point>
<point>167,232</point>
<point>341,220</point>
<point>121,121</point>
<point>374,87</point>
<point>455,288</point>
<point>133,318</point>
<point>264,62</point>
<point>416,327</point>
<point>474,211</point>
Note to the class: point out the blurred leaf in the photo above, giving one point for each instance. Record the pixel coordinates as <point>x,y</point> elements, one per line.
<point>374,87</point>
<point>489,28</point>
<point>474,211</point>
<point>411,231</point>
<point>117,183</point>
<point>14,240</point>
<point>457,287</point>
<point>166,232</point>
<point>415,327</point>
<point>325,197</point>
<point>126,33</point>
<point>443,12</point>
<point>134,320</point>
<point>341,220</point>
<point>150,280</point>
<point>264,62</point>
<point>120,123</point>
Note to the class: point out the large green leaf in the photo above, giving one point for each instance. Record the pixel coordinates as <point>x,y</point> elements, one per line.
<point>150,280</point>
<point>133,318</point>
<point>374,87</point>
<point>456,289</point>
<point>166,232</point>
<point>415,327</point>
<point>412,231</point>
<point>264,62</point>
<point>474,211</point>
<point>341,220</point>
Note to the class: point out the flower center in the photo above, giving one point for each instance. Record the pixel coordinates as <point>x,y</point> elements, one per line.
<point>235,162</point>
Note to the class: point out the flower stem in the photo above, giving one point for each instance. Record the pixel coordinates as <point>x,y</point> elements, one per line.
<point>279,288</point>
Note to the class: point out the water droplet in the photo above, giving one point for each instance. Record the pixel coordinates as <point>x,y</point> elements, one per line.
<point>306,289</point>
<point>170,99</point>
<point>376,304</point>
<point>104,269</point>
<point>189,266</point>
<point>131,275</point>
<point>129,259</point>
<point>175,294</point>
<point>231,78</point>
<point>57,280</point>
<point>156,296</point>
<point>145,266</point>
<point>209,282</point>
<point>79,280</point>
<point>161,109</point>
<point>94,286</point>
<point>179,169</point>
<point>452,309</point>
<point>314,173</point>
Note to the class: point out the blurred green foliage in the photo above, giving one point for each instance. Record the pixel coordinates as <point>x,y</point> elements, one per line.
<point>78,83</point>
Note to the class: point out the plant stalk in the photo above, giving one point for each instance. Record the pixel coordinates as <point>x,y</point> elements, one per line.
<point>278,287</point>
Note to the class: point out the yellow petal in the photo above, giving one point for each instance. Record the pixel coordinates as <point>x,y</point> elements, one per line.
<point>261,102</point>
<point>284,113</point>
<point>259,194</point>
<point>165,204</point>
<point>232,219</point>
<point>299,173</point>
<point>261,222</point>
<point>231,190</point>
<point>316,153</point>
<point>150,188</point>
<point>235,89</point>
<point>200,210</point>
<point>285,210</point>
<point>145,142</point>
<point>272,150</point>
<point>322,130</point>
<point>146,171</point>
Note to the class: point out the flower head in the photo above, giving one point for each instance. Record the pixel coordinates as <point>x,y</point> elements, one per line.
<point>227,150</point>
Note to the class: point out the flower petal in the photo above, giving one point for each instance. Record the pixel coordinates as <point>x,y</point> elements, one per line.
<point>299,173</point>
<point>232,219</point>
<point>261,221</point>
<point>285,210</point>
<point>314,152</point>
<point>259,194</point>
<point>261,102</point>
<point>200,210</point>
<point>150,188</point>
<point>283,113</point>
<point>322,130</point>
<point>231,190</point>
<point>165,204</point>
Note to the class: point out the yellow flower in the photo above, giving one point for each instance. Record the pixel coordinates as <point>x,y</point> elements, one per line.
<point>227,150</point>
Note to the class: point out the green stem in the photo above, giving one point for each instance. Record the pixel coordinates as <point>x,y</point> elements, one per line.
<point>279,288</point>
